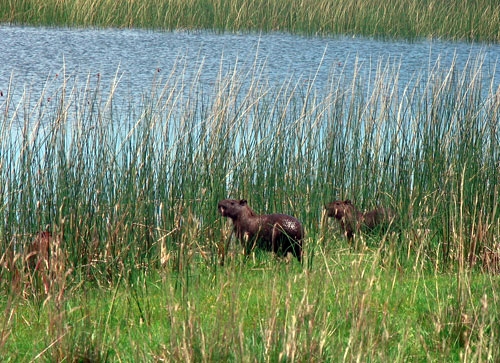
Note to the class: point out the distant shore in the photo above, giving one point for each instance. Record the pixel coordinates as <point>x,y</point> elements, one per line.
<point>468,20</point>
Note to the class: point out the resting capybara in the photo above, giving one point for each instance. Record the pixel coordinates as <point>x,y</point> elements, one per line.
<point>279,233</point>
<point>352,220</point>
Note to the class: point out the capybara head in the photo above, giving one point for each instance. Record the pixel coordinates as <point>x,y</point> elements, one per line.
<point>233,208</point>
<point>340,209</point>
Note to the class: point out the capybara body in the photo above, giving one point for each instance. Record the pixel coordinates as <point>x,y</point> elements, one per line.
<point>352,220</point>
<point>279,233</point>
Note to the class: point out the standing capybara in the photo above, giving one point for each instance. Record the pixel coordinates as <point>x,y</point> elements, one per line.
<point>352,220</point>
<point>279,233</point>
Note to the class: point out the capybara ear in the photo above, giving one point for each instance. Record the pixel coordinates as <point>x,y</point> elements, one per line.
<point>347,201</point>
<point>243,202</point>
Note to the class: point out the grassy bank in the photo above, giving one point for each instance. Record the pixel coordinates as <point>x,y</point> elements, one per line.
<point>131,193</point>
<point>348,308</point>
<point>469,20</point>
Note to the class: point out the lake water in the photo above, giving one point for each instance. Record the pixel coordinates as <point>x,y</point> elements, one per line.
<point>31,58</point>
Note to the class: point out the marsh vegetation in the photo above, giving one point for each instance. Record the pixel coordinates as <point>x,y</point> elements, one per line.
<point>128,189</point>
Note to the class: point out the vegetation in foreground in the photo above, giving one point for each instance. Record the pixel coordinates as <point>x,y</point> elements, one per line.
<point>471,20</point>
<point>351,306</point>
<point>131,194</point>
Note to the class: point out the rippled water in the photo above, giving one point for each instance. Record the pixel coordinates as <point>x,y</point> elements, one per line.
<point>30,56</point>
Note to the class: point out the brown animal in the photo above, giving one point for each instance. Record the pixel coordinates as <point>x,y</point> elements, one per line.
<point>279,233</point>
<point>352,220</point>
<point>37,256</point>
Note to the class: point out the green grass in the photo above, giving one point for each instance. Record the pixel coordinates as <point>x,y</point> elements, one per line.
<point>471,20</point>
<point>131,195</point>
<point>349,308</point>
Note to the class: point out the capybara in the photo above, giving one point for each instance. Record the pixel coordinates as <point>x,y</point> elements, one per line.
<point>37,256</point>
<point>352,220</point>
<point>38,252</point>
<point>279,233</point>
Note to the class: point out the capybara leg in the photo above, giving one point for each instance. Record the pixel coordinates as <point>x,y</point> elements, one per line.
<point>276,235</point>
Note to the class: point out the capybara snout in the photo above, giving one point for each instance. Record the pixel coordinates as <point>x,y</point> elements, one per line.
<point>279,233</point>
<point>231,208</point>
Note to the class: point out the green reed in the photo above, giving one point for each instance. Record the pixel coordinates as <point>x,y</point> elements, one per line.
<point>466,20</point>
<point>132,193</point>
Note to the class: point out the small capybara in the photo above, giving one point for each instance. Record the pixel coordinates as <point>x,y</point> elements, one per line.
<point>37,256</point>
<point>279,233</point>
<point>352,220</point>
<point>38,252</point>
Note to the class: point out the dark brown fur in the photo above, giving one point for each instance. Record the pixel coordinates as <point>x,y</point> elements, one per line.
<point>352,220</point>
<point>279,233</point>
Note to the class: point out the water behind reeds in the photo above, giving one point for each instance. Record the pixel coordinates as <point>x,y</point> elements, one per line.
<point>35,56</point>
